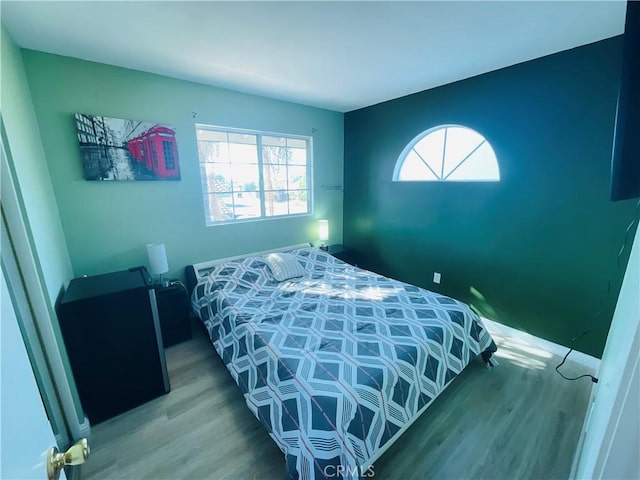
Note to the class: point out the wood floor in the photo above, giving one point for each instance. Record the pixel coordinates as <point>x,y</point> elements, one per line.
<point>517,421</point>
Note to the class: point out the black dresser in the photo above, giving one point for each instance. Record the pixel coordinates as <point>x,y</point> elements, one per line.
<point>112,335</point>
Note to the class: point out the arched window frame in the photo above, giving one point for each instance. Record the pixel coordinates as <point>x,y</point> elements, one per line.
<point>410,146</point>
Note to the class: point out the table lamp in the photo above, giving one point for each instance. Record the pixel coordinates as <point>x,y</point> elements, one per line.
<point>323,234</point>
<point>158,260</point>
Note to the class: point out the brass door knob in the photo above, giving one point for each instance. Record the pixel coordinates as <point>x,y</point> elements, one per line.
<point>75,455</point>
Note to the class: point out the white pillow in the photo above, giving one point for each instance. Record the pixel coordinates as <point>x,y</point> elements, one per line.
<point>284,266</point>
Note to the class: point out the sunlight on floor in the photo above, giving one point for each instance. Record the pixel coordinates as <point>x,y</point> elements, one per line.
<point>508,352</point>
<point>520,345</point>
<point>519,349</point>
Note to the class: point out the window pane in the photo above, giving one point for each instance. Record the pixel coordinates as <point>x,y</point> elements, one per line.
<point>298,156</point>
<point>274,155</point>
<point>276,203</point>
<point>243,138</point>
<point>275,177</point>
<point>414,168</point>
<point>220,207</point>
<point>274,141</point>
<point>297,177</point>
<point>208,209</point>
<point>246,204</point>
<point>245,177</point>
<point>478,166</point>
<point>213,152</point>
<point>211,135</point>
<point>243,153</point>
<point>430,149</point>
<point>298,201</point>
<point>296,143</point>
<point>216,177</point>
<point>460,143</point>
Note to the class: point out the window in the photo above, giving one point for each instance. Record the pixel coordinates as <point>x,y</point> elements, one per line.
<point>250,175</point>
<point>169,160</point>
<point>448,153</point>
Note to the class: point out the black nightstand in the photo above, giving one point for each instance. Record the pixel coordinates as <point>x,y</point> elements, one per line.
<point>173,310</point>
<point>344,253</point>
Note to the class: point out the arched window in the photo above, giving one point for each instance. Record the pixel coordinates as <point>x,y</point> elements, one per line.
<point>447,153</point>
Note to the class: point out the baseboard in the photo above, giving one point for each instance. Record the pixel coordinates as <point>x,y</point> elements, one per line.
<point>85,428</point>
<point>576,356</point>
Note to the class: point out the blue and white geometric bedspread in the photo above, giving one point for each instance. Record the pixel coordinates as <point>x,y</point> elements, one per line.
<point>334,363</point>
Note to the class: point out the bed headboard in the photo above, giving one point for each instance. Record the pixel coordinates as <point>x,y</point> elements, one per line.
<point>198,271</point>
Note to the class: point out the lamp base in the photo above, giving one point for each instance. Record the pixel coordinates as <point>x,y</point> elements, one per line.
<point>162,283</point>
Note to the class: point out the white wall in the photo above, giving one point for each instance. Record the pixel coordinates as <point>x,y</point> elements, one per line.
<point>611,434</point>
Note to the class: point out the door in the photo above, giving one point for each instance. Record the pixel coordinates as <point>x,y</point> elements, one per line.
<point>25,431</point>
<point>610,437</point>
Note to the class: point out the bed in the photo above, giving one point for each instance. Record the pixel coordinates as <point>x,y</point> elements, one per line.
<point>338,362</point>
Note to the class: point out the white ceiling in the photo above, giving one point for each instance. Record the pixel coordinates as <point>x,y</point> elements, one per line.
<point>335,55</point>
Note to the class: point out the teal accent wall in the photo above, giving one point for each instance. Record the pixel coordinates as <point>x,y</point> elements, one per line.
<point>108,224</point>
<point>535,251</point>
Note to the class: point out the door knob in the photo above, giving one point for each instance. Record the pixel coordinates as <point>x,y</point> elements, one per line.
<point>75,455</point>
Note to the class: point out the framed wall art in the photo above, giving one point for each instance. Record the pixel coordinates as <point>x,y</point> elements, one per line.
<point>119,149</point>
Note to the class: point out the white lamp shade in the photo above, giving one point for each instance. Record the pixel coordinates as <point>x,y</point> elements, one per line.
<point>323,230</point>
<point>157,258</point>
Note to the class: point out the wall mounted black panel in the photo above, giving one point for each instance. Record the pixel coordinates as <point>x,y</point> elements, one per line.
<point>625,162</point>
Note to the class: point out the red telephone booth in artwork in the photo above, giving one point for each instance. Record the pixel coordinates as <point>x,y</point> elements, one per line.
<point>135,148</point>
<point>161,142</point>
<point>157,149</point>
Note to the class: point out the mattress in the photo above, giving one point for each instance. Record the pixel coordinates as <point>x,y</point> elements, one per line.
<point>337,362</point>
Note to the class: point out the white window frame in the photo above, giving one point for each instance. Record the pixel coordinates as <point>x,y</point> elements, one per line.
<point>440,176</point>
<point>259,134</point>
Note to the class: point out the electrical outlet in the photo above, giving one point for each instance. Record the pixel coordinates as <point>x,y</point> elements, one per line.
<point>436,277</point>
